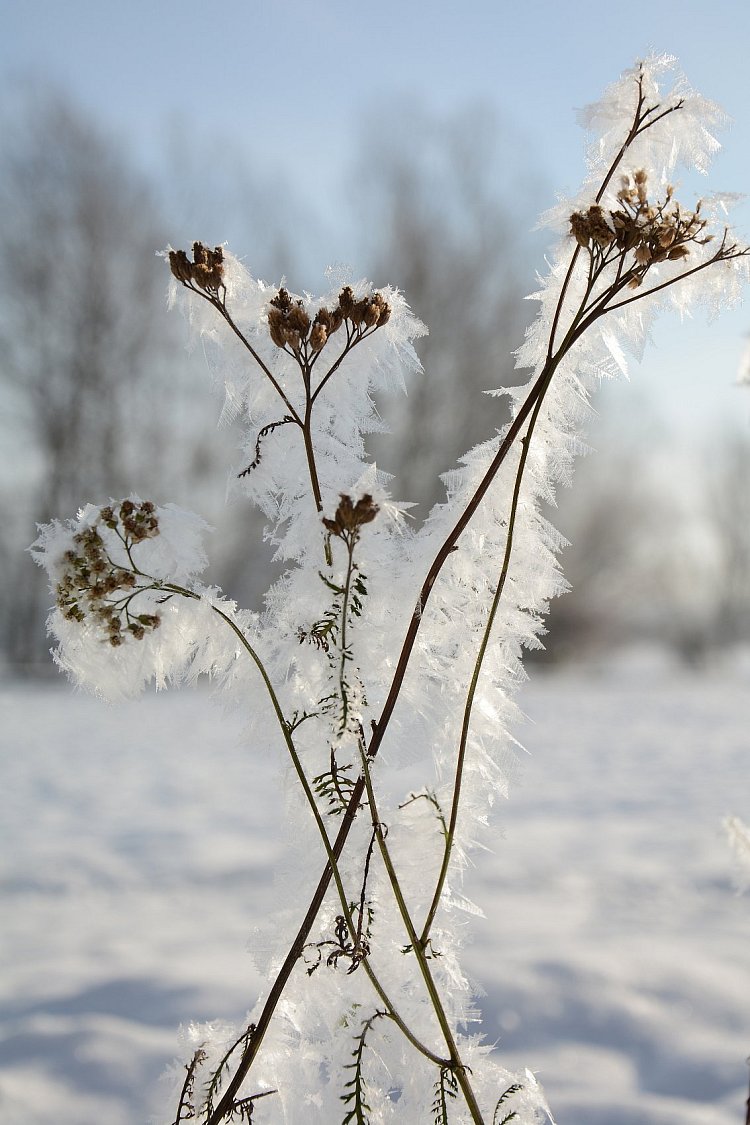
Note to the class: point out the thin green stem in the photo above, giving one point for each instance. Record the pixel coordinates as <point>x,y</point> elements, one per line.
<point>466,723</point>
<point>455,1059</point>
<point>224,1106</point>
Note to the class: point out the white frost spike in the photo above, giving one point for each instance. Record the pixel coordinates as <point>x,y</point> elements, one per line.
<point>615,350</point>
<point>739,841</point>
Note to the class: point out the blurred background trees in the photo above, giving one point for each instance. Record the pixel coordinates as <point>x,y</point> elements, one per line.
<point>100,397</point>
<point>81,343</point>
<point>447,219</point>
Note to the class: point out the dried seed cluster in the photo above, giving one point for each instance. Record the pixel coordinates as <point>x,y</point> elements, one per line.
<point>95,588</point>
<point>206,271</point>
<point>653,232</point>
<point>350,517</point>
<point>290,325</point>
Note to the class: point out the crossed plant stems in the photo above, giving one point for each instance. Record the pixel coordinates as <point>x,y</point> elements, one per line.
<point>615,252</point>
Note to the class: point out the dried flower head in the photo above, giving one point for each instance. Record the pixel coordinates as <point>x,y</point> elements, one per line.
<point>350,517</point>
<point>592,225</point>
<point>290,327</point>
<point>205,272</point>
<point>651,232</point>
<point>288,322</point>
<point>95,589</point>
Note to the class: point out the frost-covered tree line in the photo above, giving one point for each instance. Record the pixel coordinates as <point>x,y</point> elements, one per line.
<point>384,667</point>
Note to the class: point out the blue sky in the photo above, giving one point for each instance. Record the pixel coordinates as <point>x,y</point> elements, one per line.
<point>292,81</point>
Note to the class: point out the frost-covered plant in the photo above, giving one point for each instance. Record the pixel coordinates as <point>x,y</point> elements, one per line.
<point>385,653</point>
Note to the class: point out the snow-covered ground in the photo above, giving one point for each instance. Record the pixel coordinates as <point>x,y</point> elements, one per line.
<point>137,847</point>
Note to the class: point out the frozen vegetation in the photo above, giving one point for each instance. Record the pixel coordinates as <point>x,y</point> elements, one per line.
<point>377,696</point>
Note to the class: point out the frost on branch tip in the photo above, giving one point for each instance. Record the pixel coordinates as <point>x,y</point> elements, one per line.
<point>687,122</point>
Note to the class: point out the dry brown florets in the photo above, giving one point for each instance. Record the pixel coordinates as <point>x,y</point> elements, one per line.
<point>592,225</point>
<point>95,587</point>
<point>206,271</point>
<point>653,232</point>
<point>290,327</point>
<point>318,336</point>
<point>350,517</point>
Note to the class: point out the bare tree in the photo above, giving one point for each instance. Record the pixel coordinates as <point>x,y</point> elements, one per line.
<point>445,217</point>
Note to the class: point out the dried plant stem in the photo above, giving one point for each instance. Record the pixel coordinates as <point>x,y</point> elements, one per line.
<point>348,818</point>
<point>306,362</point>
<point>304,423</point>
<point>188,1086</point>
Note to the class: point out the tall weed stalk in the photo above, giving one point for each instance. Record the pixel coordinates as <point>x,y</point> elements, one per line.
<point>384,649</point>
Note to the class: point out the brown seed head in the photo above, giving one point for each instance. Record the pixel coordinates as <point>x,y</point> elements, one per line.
<point>282,301</point>
<point>346,301</point>
<point>180,266</point>
<point>579,228</point>
<point>288,323</point>
<point>298,320</point>
<point>276,327</point>
<point>591,225</point>
<point>206,270</point>
<point>371,314</point>
<point>350,517</point>
<point>90,578</point>
<point>318,336</point>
